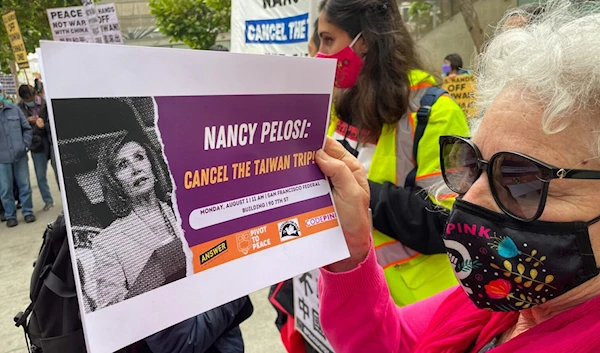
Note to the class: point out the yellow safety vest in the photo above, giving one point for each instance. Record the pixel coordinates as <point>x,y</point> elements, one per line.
<point>412,276</point>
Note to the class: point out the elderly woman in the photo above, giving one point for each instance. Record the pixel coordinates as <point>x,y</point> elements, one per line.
<point>523,237</point>
<point>142,249</point>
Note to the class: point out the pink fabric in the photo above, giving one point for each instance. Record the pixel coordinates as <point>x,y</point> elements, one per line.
<point>358,315</point>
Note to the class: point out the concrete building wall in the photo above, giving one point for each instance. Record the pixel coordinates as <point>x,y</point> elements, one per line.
<point>453,36</point>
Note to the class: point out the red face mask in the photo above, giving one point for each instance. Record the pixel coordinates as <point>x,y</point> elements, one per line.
<point>349,65</point>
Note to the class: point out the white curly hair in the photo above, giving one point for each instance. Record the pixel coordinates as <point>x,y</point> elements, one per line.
<point>553,57</point>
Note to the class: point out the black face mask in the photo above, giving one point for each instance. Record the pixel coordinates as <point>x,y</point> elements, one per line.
<point>508,265</point>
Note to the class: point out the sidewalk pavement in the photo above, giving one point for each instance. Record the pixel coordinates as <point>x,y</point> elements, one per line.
<point>20,246</point>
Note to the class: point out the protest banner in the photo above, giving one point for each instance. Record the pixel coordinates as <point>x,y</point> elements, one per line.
<point>109,24</point>
<point>273,27</point>
<point>462,88</point>
<point>180,198</point>
<point>8,84</point>
<point>306,310</point>
<point>16,41</point>
<point>70,24</point>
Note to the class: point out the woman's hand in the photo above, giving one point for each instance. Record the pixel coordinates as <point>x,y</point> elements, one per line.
<point>39,123</point>
<point>351,197</point>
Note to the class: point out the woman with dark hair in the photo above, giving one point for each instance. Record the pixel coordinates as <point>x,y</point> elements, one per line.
<point>142,249</point>
<point>453,66</point>
<point>389,113</point>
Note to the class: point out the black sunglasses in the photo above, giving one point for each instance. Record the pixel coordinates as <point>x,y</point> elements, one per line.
<point>519,183</point>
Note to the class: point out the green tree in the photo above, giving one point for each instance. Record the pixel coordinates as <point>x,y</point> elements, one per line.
<point>193,22</point>
<point>420,14</point>
<point>33,22</point>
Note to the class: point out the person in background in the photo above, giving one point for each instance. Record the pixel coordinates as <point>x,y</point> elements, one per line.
<point>523,15</point>
<point>39,88</point>
<point>453,66</point>
<point>15,140</point>
<point>379,88</point>
<point>37,114</point>
<point>41,100</point>
<point>523,236</point>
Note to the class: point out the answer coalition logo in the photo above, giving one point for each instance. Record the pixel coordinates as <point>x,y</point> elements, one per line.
<point>289,229</point>
<point>213,252</point>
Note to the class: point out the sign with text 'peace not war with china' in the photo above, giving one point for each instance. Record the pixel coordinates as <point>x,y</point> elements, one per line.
<point>71,24</point>
<point>180,198</point>
<point>16,40</point>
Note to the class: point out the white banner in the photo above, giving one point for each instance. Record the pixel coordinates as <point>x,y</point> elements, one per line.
<point>71,24</point>
<point>272,27</point>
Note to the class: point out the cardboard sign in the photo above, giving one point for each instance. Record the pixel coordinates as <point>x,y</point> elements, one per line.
<point>16,41</point>
<point>180,198</point>
<point>462,88</point>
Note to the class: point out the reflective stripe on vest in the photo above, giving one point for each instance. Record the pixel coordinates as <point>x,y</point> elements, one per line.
<point>393,253</point>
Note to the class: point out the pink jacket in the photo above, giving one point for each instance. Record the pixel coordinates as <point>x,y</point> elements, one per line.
<point>359,316</point>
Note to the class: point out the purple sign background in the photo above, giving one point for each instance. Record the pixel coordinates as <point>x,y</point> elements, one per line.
<point>182,120</point>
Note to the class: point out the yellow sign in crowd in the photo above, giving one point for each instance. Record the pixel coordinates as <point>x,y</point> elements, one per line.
<point>461,88</point>
<point>16,40</point>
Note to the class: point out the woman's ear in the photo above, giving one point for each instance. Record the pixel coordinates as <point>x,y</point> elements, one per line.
<point>361,47</point>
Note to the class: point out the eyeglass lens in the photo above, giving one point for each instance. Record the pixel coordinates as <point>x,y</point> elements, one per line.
<point>516,181</point>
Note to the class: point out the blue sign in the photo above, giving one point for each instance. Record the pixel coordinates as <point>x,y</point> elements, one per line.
<point>278,30</point>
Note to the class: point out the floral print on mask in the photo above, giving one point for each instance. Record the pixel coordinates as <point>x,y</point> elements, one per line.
<point>522,276</point>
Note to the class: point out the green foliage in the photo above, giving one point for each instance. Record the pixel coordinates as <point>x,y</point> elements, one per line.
<point>420,13</point>
<point>193,22</point>
<point>33,22</point>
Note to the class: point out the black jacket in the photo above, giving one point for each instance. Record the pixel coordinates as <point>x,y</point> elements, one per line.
<point>40,141</point>
<point>408,216</point>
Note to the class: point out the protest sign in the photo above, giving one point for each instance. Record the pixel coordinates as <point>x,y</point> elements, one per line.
<point>70,24</point>
<point>306,310</point>
<point>8,84</point>
<point>109,24</point>
<point>462,88</point>
<point>16,41</point>
<point>93,22</point>
<point>272,27</point>
<point>180,198</point>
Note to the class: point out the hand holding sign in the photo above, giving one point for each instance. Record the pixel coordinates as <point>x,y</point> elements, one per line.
<point>351,197</point>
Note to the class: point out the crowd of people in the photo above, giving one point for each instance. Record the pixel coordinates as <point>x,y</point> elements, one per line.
<point>26,131</point>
